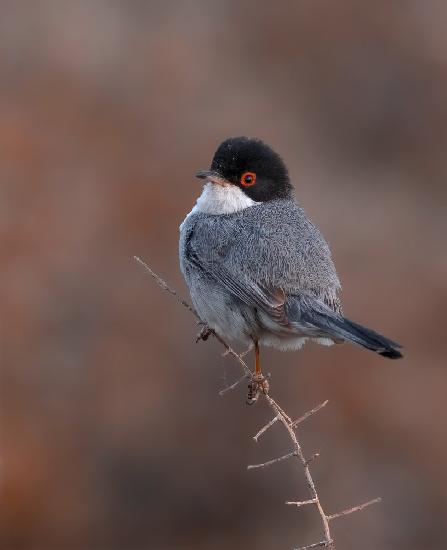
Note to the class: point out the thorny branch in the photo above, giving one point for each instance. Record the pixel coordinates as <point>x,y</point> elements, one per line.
<point>279,416</point>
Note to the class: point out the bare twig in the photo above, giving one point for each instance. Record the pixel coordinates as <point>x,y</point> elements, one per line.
<point>279,416</point>
<point>164,285</point>
<point>310,482</point>
<point>273,461</point>
<point>321,544</point>
<point>306,415</point>
<point>242,354</point>
<point>235,384</point>
<point>354,509</point>
<point>312,458</point>
<point>301,502</point>
<point>265,428</point>
<point>235,355</point>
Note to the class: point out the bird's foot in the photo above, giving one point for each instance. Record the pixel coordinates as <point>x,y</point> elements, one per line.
<point>204,333</point>
<point>258,384</point>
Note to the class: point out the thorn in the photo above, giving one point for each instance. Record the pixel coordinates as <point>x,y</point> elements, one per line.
<point>316,545</point>
<point>265,428</point>
<point>306,415</point>
<point>302,502</point>
<point>233,385</point>
<point>311,459</point>
<point>354,509</point>
<point>273,461</point>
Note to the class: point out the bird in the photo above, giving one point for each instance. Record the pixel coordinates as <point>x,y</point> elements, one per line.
<point>259,272</point>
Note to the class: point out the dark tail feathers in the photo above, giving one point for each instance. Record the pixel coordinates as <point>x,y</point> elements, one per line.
<point>340,327</point>
<point>366,337</point>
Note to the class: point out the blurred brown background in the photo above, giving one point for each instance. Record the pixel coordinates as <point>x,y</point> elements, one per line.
<point>112,432</point>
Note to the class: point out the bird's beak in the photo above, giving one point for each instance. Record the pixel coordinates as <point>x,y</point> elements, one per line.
<point>212,176</point>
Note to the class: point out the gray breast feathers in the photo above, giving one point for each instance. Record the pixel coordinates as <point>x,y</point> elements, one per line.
<point>262,255</point>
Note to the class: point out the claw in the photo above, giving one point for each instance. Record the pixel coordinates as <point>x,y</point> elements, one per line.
<point>258,384</point>
<point>204,334</point>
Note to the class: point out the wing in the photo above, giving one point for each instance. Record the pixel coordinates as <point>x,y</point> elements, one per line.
<point>252,292</point>
<point>263,254</point>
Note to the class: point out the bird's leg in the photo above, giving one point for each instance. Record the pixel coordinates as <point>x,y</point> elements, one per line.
<point>258,383</point>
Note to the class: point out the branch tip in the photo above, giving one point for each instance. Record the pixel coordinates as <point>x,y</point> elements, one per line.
<point>302,502</point>
<point>312,458</point>
<point>323,543</point>
<point>233,385</point>
<point>273,461</point>
<point>266,427</point>
<point>306,415</point>
<point>349,511</point>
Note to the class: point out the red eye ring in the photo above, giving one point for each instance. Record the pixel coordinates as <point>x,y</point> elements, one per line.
<point>248,179</point>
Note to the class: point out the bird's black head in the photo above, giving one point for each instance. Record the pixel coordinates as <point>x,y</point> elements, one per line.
<point>252,166</point>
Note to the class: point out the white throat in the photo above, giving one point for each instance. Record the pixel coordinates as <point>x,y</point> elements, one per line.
<point>218,199</point>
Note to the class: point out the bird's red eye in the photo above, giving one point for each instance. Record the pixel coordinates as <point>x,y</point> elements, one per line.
<point>248,179</point>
